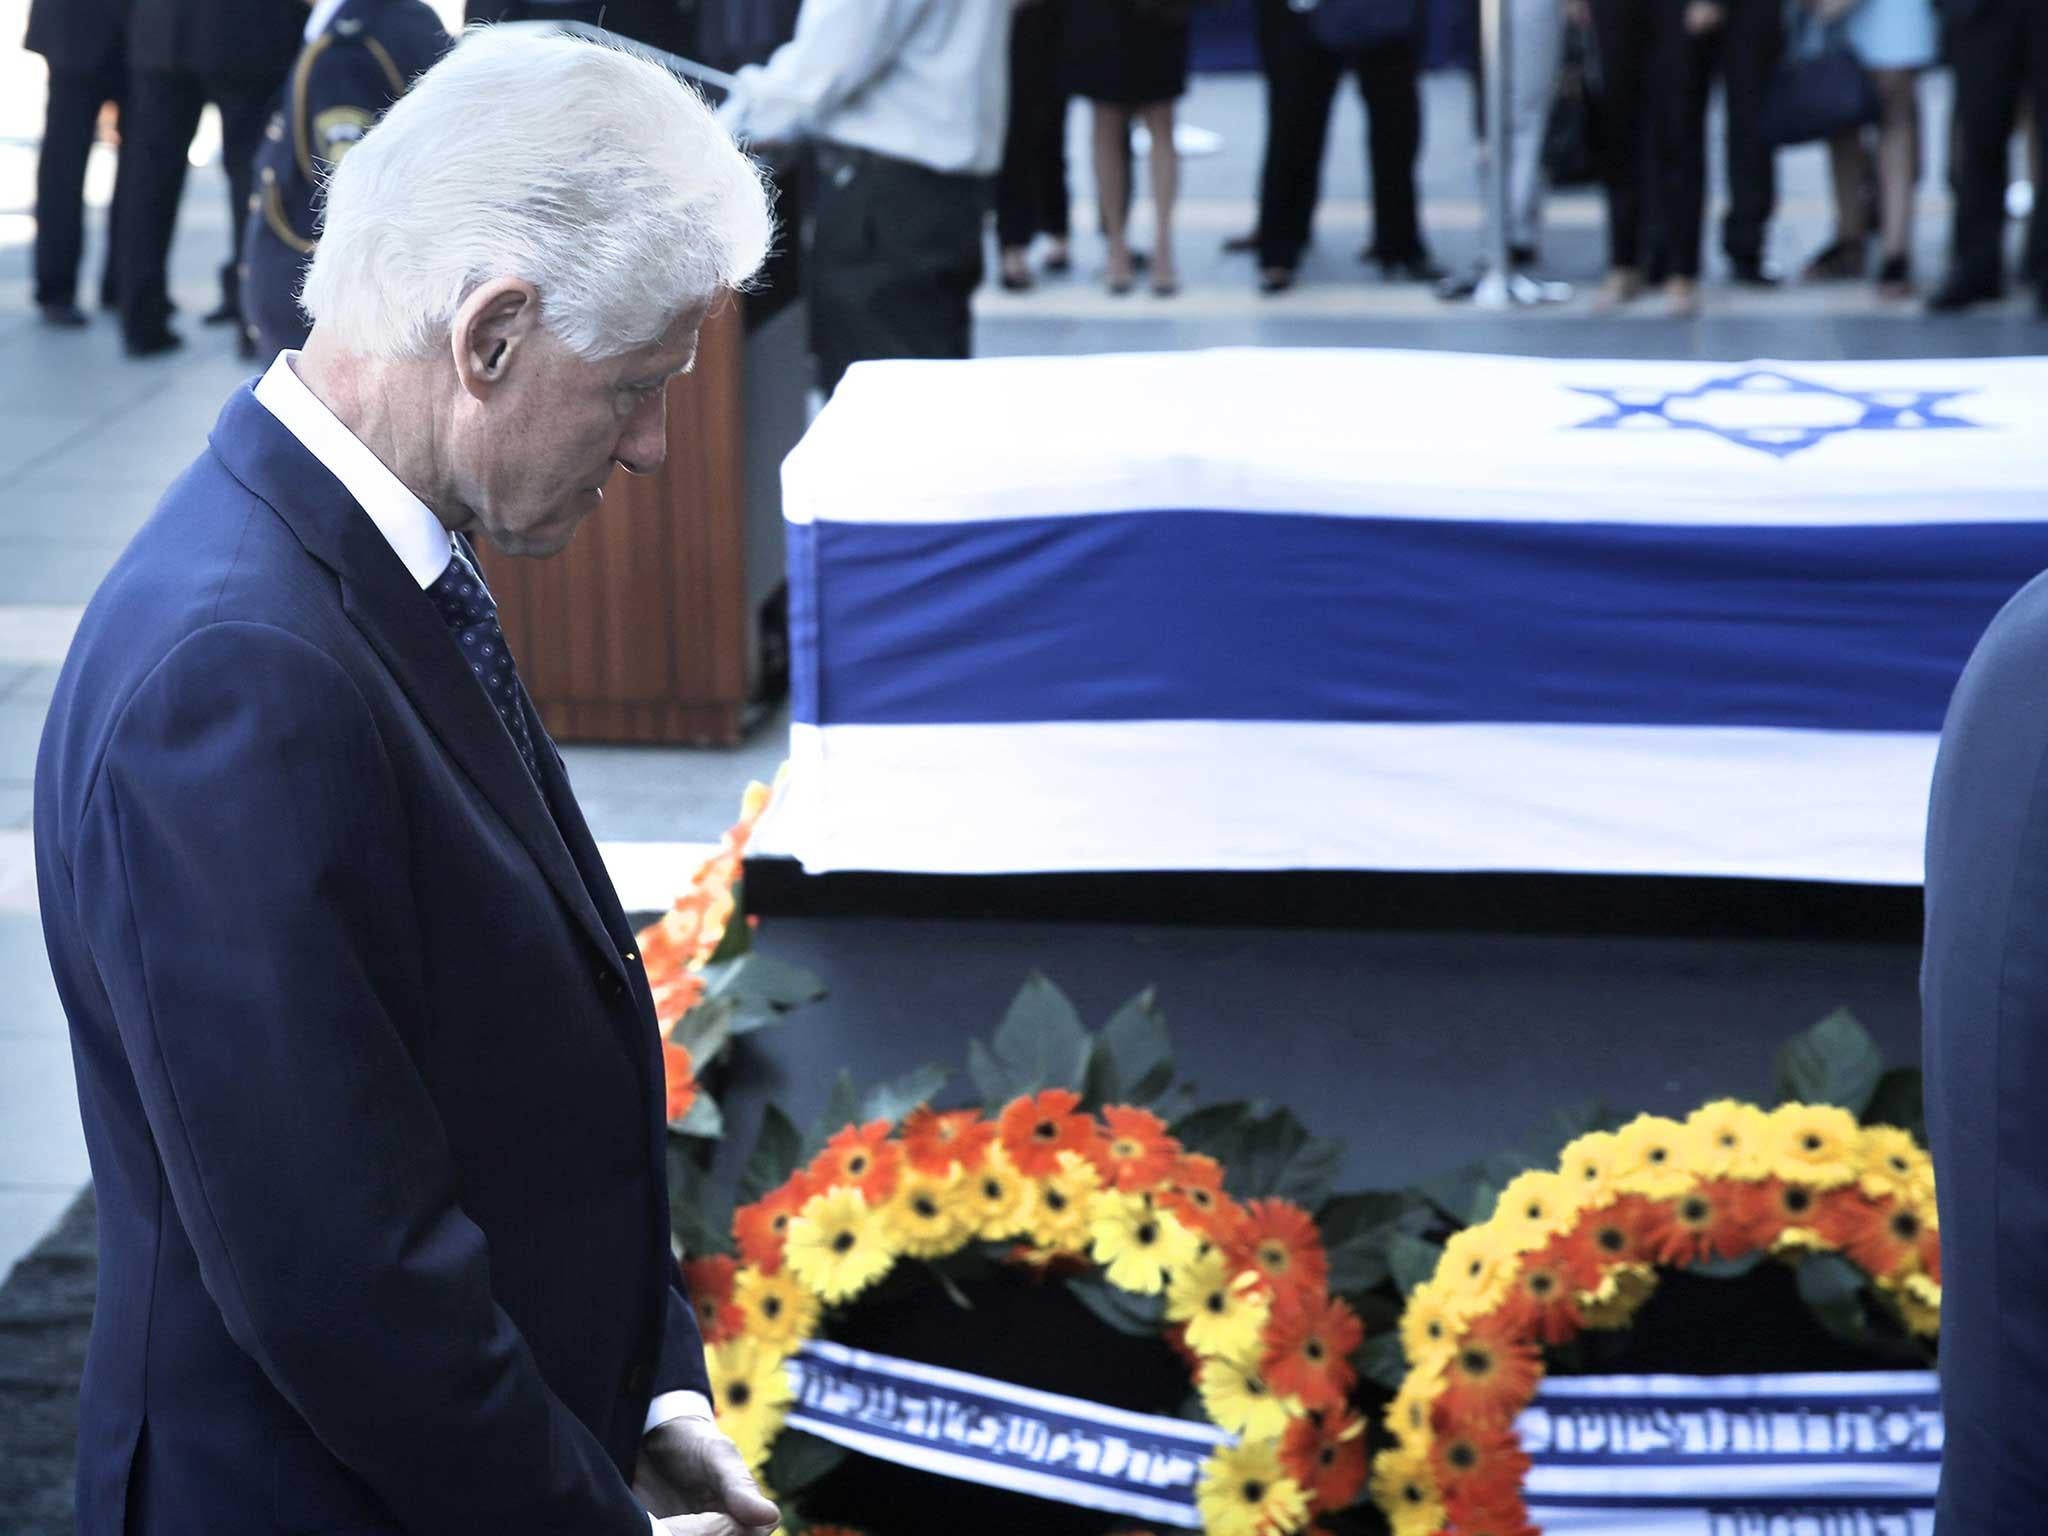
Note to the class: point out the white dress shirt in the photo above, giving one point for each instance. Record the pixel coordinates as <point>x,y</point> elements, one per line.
<point>920,80</point>
<point>421,541</point>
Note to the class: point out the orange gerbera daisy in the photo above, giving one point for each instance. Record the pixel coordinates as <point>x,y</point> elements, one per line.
<point>1325,1453</point>
<point>1713,1221</point>
<point>759,1228</point>
<point>1281,1239</point>
<point>1308,1349</point>
<point>1882,1237</point>
<point>1773,1205</point>
<point>709,1282</point>
<point>1465,1515</point>
<point>1194,1193</point>
<point>1930,1251</point>
<point>1543,1301</point>
<point>674,996</point>
<point>1482,1464</point>
<point>1614,1233</point>
<point>1491,1377</point>
<point>1135,1153</point>
<point>1035,1130</point>
<point>860,1157</point>
<point>933,1142</point>
<point>681,1075</point>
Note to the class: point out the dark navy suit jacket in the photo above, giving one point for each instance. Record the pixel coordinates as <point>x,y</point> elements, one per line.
<point>1984,989</point>
<point>369,1070</point>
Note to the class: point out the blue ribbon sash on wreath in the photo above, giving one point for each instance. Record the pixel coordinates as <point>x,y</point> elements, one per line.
<point>1821,1454</point>
<point>1140,1465</point>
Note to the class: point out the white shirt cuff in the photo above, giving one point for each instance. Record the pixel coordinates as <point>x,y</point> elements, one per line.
<point>677,1405</point>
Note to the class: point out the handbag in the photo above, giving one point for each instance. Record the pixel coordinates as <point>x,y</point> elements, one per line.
<point>1571,136</point>
<point>1348,26</point>
<point>1819,91</point>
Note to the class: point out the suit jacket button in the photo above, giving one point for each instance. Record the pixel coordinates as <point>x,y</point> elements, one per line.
<point>609,984</point>
<point>638,1380</point>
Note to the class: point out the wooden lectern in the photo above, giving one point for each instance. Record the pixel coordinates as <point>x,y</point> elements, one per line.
<point>643,629</point>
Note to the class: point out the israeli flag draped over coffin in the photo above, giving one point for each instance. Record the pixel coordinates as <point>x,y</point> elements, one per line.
<point>1280,609</point>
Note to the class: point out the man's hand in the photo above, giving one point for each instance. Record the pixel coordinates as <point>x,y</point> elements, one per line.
<point>1703,16</point>
<point>692,1480</point>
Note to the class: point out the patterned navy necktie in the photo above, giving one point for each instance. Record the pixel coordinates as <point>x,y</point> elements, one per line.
<point>467,606</point>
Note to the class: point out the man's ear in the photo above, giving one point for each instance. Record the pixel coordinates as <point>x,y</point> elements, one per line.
<point>489,330</point>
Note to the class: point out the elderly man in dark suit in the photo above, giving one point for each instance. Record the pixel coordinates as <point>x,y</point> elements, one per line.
<point>85,45</point>
<point>183,54</point>
<point>367,1062</point>
<point>1984,987</point>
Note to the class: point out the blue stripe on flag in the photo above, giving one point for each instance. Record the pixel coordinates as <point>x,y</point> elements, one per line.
<point>1696,1500</point>
<point>1193,615</point>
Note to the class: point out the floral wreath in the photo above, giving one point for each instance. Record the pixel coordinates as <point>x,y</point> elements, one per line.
<point>1579,1247</point>
<point>1243,1285</point>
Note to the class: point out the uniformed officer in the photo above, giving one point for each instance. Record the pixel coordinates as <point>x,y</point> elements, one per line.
<point>359,57</point>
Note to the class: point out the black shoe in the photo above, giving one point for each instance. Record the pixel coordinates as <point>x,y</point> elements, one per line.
<point>65,317</point>
<point>1750,272</point>
<point>226,312</point>
<point>1895,278</point>
<point>1242,245</point>
<point>1956,295</point>
<point>1839,261</point>
<point>1276,279</point>
<point>1522,255</point>
<point>245,346</point>
<point>1416,267</point>
<point>153,343</point>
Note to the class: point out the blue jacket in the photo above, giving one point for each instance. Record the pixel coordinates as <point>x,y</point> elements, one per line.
<point>1984,991</point>
<point>368,1067</point>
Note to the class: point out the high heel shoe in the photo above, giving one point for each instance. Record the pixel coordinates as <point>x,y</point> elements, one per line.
<point>1895,278</point>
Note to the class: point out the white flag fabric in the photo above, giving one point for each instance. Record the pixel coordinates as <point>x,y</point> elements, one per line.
<point>1278,609</point>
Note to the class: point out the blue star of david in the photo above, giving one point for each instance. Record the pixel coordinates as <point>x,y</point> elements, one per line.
<point>1883,410</point>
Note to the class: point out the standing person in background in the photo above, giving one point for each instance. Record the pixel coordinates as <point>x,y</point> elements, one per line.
<point>360,56</point>
<point>1656,59</point>
<point>1535,40</point>
<point>1031,188</point>
<point>1999,49</point>
<point>84,42</point>
<point>906,100</point>
<point>1302,78</point>
<point>1751,42</point>
<point>183,54</point>
<point>1129,58</point>
<point>656,22</point>
<point>1894,40</point>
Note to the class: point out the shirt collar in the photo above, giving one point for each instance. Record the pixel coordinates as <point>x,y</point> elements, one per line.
<point>415,535</point>
<point>323,13</point>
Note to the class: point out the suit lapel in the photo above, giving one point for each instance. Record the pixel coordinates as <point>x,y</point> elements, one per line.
<point>386,604</point>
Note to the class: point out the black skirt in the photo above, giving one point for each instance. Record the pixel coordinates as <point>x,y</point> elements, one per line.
<point>1127,52</point>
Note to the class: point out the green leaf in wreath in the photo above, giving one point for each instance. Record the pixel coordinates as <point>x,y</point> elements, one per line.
<point>892,1101</point>
<point>700,1222</point>
<point>841,1107</point>
<point>1900,1100</point>
<point>1727,1269</point>
<point>1380,1361</point>
<point>1131,1061</point>
<point>702,1119</point>
<point>1357,1228</point>
<point>1835,1062</point>
<point>704,1032</point>
<point>1411,1260</point>
<point>778,1150</point>
<point>1832,1288</point>
<point>763,981</point>
<point>1040,1044</point>
<point>1139,1316</point>
<point>799,1461</point>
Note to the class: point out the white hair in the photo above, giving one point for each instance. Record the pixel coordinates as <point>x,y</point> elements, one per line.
<point>588,171</point>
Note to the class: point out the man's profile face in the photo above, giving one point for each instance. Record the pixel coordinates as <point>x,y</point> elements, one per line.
<point>548,436</point>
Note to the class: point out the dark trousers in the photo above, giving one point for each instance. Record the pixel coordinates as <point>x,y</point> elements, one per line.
<point>1031,188</point>
<point>895,259</point>
<point>68,125</point>
<point>157,126</point>
<point>1999,52</point>
<point>1653,133</point>
<point>1747,50</point>
<point>1301,85</point>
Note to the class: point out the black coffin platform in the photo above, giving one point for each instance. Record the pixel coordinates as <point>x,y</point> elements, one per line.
<point>1425,1021</point>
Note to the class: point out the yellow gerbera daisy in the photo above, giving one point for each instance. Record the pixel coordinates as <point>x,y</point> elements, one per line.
<point>1477,1268</point>
<point>751,1393</point>
<point>1815,1144</point>
<point>837,1246</point>
<point>1404,1487</point>
<point>1237,1398</point>
<point>1430,1325</point>
<point>1730,1140</point>
<point>926,1216</point>
<point>1225,1311</point>
<point>1621,1292</point>
<point>1650,1158</point>
<point>1535,1207</point>
<point>776,1309</point>
<point>1059,1205</point>
<point>997,1197</point>
<point>1135,1242</point>
<point>1891,1164</point>
<point>1408,1415</point>
<point>1587,1164</point>
<point>1246,1492</point>
<point>1919,1299</point>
